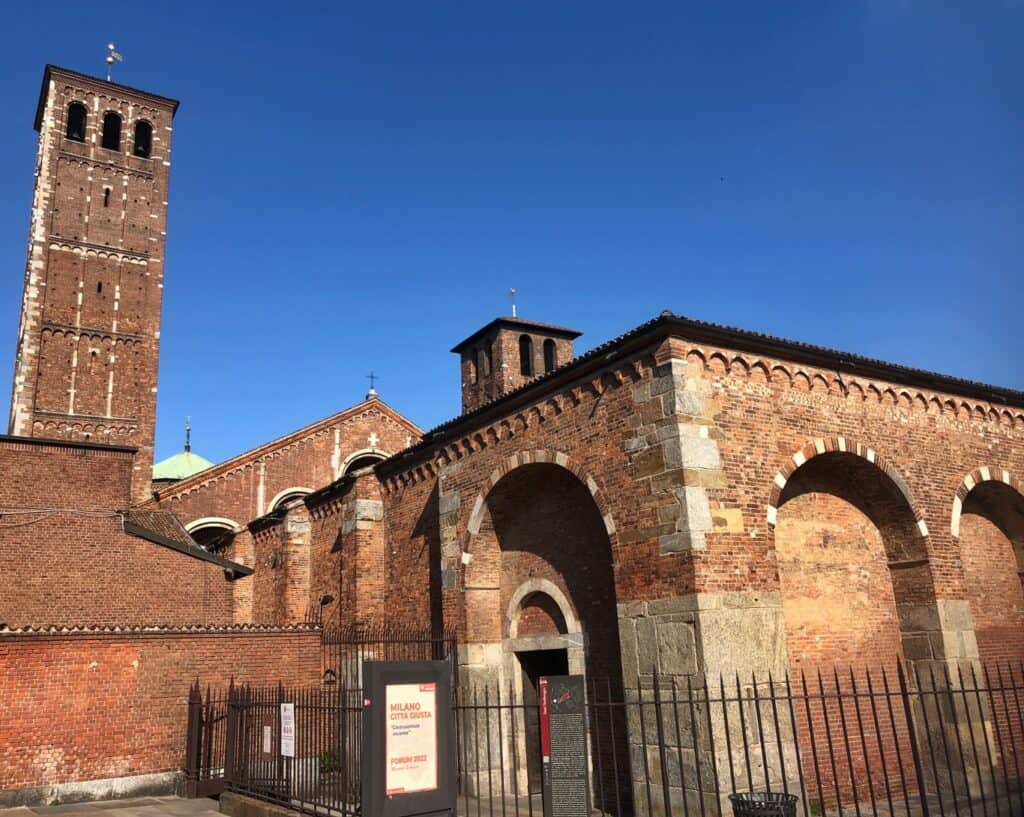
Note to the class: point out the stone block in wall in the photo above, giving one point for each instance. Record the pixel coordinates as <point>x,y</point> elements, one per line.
<point>677,649</point>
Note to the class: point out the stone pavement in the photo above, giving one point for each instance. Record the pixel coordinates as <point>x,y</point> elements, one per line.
<point>133,807</point>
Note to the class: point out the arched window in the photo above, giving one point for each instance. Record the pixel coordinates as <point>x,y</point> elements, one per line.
<point>76,122</point>
<point>550,357</point>
<point>288,497</point>
<point>143,139</point>
<point>488,359</point>
<point>525,356</point>
<point>212,533</point>
<point>111,131</point>
<point>472,366</point>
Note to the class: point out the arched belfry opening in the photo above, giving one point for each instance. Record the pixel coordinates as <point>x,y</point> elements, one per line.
<point>852,562</point>
<point>540,597</point>
<point>990,528</point>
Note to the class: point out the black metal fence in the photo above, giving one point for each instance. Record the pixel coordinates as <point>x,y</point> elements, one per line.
<point>935,741</point>
<point>344,649</point>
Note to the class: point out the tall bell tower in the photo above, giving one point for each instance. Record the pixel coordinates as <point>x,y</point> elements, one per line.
<point>89,336</point>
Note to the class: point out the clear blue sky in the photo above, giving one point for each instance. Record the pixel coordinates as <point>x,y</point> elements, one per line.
<point>356,186</point>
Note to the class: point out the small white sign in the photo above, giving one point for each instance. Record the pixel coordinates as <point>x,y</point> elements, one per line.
<point>287,730</point>
<point>267,732</point>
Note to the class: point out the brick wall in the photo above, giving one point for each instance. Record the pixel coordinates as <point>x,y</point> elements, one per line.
<point>837,593</point>
<point>74,564</point>
<point>243,488</point>
<point>91,706</point>
<point>687,449</point>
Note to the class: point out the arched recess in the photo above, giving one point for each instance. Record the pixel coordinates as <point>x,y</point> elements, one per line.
<point>988,524</point>
<point>545,596</point>
<point>213,532</point>
<point>362,458</point>
<point>287,495</point>
<point>852,553</point>
<point>537,535</point>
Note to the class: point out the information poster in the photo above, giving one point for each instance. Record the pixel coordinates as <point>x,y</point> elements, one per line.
<point>410,738</point>
<point>563,737</point>
<point>287,730</point>
<point>267,740</point>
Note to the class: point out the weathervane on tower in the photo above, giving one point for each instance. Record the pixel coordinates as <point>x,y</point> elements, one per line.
<point>112,57</point>
<point>512,297</point>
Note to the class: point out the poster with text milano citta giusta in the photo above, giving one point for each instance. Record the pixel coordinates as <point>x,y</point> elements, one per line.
<point>410,738</point>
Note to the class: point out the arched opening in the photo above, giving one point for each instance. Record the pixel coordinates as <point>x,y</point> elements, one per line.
<point>850,552</point>
<point>358,460</point>
<point>550,356</point>
<point>76,122</point>
<point>471,360</point>
<point>539,586</point>
<point>488,358</point>
<point>856,584</point>
<point>111,131</point>
<point>991,531</point>
<point>525,356</point>
<point>212,533</point>
<point>288,496</point>
<point>143,142</point>
<point>539,616</point>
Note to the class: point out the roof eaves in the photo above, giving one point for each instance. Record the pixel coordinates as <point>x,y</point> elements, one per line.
<point>742,339</point>
<point>546,328</point>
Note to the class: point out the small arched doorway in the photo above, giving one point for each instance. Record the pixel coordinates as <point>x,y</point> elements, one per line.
<point>543,638</point>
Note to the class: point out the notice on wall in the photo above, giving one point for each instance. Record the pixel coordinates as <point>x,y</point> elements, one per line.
<point>563,738</point>
<point>410,738</point>
<point>287,730</point>
<point>267,740</point>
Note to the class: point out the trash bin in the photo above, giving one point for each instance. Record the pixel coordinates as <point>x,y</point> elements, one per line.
<point>763,804</point>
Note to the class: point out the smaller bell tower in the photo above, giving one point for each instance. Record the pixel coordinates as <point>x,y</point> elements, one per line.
<point>506,353</point>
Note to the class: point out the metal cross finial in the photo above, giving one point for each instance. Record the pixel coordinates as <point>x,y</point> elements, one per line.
<point>512,295</point>
<point>112,57</point>
<point>188,433</point>
<point>373,378</point>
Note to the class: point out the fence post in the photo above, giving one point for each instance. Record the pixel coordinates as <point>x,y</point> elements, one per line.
<point>230,737</point>
<point>192,739</point>
<point>912,733</point>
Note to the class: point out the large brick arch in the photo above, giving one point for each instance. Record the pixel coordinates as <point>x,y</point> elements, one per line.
<point>846,445</point>
<point>539,456</point>
<point>972,481</point>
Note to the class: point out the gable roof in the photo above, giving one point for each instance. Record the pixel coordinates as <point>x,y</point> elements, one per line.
<point>281,442</point>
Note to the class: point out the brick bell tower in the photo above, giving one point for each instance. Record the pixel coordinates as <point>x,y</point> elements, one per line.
<point>507,353</point>
<point>89,336</point>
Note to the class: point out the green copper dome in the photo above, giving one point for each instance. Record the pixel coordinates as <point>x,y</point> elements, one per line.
<point>181,465</point>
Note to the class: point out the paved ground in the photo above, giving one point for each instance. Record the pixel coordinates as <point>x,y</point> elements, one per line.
<point>137,807</point>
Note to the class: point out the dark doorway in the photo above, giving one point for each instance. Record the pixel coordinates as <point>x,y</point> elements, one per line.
<point>534,665</point>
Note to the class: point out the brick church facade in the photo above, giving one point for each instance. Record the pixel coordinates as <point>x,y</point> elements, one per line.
<point>687,498</point>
